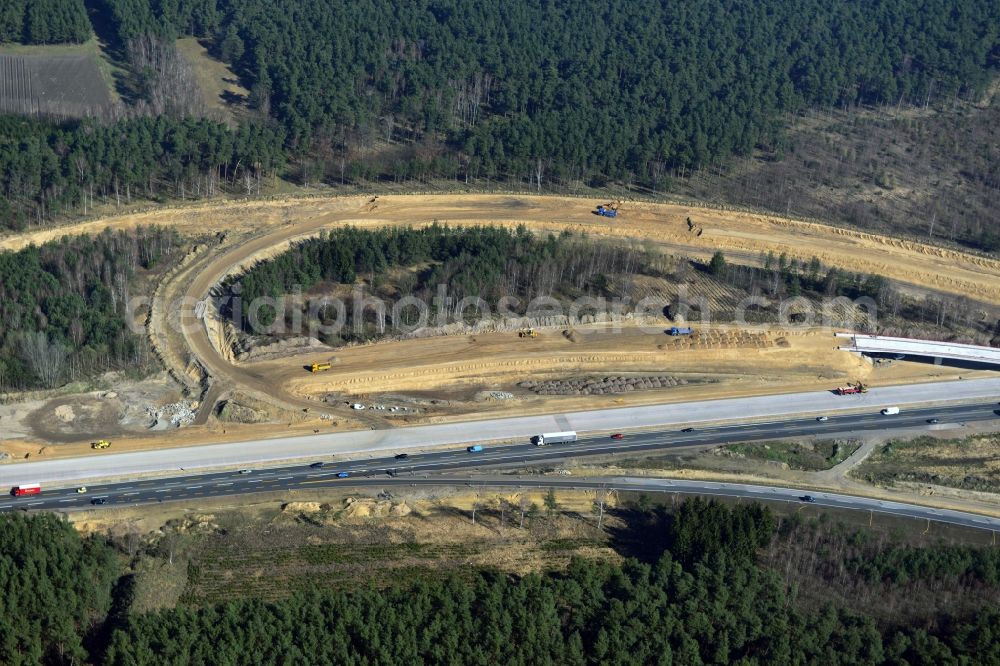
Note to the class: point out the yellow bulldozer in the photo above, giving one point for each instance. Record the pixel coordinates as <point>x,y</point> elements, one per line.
<point>527,333</point>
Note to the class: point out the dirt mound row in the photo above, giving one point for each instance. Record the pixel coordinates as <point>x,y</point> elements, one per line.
<point>432,375</point>
<point>602,386</point>
<point>715,339</point>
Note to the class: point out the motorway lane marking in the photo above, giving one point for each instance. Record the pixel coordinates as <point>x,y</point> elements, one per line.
<point>163,490</point>
<point>192,487</point>
<point>219,485</point>
<point>66,500</point>
<point>128,494</point>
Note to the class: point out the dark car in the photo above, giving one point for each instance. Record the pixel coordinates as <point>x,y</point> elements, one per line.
<point>617,435</point>
<point>687,429</point>
<point>99,500</point>
<point>402,456</point>
<point>316,465</point>
<point>808,498</point>
<point>932,421</point>
<point>343,475</point>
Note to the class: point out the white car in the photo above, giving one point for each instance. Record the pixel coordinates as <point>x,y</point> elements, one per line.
<point>357,405</point>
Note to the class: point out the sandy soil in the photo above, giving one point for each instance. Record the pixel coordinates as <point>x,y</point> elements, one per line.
<point>722,361</point>
<point>923,265</point>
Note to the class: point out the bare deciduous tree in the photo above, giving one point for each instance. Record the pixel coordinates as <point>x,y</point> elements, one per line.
<point>166,80</point>
<point>46,359</point>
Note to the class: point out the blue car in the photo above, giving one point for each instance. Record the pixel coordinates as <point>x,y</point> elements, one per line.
<point>343,475</point>
<point>475,449</point>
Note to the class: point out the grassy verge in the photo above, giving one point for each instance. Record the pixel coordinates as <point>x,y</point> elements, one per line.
<point>800,455</point>
<point>273,553</point>
<point>972,463</point>
<point>755,457</point>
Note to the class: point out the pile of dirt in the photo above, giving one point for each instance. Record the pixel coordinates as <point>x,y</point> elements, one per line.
<point>494,395</point>
<point>234,412</point>
<point>195,522</point>
<point>514,324</point>
<point>601,386</point>
<point>399,510</point>
<point>302,507</point>
<point>355,507</point>
<point>720,339</point>
<point>281,349</point>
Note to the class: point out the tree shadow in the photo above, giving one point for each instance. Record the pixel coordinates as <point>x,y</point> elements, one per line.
<point>640,534</point>
<point>114,48</point>
<point>233,99</point>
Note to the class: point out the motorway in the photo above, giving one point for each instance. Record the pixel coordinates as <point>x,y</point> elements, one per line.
<point>418,468</point>
<point>780,411</point>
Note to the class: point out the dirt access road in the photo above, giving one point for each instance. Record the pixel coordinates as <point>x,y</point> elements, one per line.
<point>913,263</point>
<point>659,224</point>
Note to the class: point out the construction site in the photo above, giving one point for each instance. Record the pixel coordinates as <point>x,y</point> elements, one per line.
<point>213,391</point>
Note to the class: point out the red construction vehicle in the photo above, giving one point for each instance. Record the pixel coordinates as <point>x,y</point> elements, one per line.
<point>851,389</point>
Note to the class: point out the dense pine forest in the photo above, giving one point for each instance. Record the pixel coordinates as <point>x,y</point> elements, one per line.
<point>518,94</point>
<point>64,306</point>
<point>57,590</point>
<point>46,169</point>
<point>702,593</point>
<point>44,21</point>
<point>491,263</point>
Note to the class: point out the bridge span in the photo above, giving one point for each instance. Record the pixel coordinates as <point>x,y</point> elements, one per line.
<point>903,347</point>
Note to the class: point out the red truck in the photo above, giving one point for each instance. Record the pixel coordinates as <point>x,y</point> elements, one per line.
<point>851,389</point>
<point>26,489</point>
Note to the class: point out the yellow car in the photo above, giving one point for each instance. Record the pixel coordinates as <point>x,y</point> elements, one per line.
<point>100,444</point>
<point>81,489</point>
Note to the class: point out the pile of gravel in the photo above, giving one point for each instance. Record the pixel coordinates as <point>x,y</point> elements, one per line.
<point>176,414</point>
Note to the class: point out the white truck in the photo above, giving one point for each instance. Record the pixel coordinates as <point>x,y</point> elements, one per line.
<point>554,438</point>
